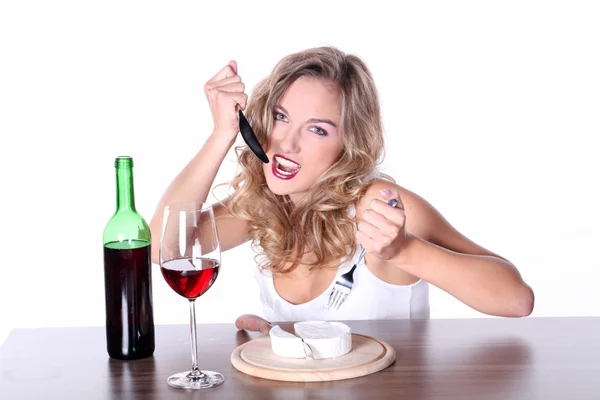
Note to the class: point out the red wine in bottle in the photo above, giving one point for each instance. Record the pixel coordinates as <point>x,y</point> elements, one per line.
<point>127,274</point>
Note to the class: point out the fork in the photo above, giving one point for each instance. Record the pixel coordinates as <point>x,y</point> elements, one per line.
<point>344,284</point>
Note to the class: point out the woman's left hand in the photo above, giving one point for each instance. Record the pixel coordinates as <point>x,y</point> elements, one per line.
<point>382,230</point>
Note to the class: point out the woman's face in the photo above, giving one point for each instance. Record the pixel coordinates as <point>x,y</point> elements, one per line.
<point>306,139</point>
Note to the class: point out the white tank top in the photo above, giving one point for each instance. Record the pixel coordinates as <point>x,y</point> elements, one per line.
<point>370,298</point>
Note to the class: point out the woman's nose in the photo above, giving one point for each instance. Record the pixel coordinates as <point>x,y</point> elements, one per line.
<point>290,141</point>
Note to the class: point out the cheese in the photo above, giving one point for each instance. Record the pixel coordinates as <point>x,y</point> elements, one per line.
<point>325,339</point>
<point>285,344</point>
<point>314,339</point>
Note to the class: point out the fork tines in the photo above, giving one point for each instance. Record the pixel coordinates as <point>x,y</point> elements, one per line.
<point>338,295</point>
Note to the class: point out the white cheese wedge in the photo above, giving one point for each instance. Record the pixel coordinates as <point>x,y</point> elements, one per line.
<point>325,339</point>
<point>285,344</point>
<point>313,339</point>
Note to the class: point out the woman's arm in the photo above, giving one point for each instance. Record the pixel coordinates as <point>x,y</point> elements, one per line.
<point>433,250</point>
<point>489,284</point>
<point>225,93</point>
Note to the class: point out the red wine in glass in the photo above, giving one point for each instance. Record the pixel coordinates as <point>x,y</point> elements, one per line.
<point>190,259</point>
<point>190,278</point>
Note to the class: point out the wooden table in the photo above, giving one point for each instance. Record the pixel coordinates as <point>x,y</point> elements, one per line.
<point>495,358</point>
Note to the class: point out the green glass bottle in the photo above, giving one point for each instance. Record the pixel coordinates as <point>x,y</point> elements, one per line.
<point>127,274</point>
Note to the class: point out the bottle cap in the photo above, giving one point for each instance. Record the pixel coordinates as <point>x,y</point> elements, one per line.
<point>124,162</point>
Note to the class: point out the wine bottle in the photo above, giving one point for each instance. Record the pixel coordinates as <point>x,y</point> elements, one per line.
<point>127,274</point>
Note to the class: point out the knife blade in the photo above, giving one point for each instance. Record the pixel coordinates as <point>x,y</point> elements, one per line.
<point>251,139</point>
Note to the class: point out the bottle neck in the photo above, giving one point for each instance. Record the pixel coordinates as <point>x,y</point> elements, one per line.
<point>125,198</point>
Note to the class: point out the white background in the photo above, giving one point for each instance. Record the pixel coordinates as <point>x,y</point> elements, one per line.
<point>490,112</point>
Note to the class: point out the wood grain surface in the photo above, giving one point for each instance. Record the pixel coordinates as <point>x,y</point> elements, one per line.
<point>462,359</point>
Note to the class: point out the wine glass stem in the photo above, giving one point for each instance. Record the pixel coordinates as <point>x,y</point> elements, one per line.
<point>195,371</point>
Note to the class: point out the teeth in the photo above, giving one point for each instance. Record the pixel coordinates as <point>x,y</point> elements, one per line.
<point>282,172</point>
<point>287,163</point>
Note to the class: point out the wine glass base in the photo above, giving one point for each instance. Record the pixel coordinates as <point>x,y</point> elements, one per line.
<point>186,380</point>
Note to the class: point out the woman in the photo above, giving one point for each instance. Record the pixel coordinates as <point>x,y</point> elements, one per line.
<point>321,198</point>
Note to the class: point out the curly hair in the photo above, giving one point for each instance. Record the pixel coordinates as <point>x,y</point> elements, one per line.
<point>319,225</point>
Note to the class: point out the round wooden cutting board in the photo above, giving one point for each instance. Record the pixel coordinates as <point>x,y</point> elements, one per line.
<point>368,355</point>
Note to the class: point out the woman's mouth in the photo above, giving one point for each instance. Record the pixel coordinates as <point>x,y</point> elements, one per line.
<point>284,168</point>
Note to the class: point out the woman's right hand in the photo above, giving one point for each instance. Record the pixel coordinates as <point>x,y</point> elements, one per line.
<point>253,323</point>
<point>225,93</point>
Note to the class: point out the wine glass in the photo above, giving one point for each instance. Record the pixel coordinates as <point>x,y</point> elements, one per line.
<point>190,258</point>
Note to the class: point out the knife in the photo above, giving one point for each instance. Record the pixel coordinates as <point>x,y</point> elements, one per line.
<point>251,139</point>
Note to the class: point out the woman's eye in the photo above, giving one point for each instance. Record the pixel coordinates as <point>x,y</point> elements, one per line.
<point>319,131</point>
<point>280,117</point>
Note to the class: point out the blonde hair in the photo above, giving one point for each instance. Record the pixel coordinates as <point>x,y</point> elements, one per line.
<point>319,225</point>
